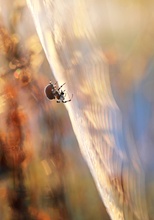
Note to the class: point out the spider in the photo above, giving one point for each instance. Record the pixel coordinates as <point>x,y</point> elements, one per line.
<point>51,93</point>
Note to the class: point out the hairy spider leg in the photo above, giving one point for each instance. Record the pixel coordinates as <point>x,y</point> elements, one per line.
<point>64,93</point>
<point>54,85</point>
<point>68,100</point>
<point>51,82</point>
<point>61,86</point>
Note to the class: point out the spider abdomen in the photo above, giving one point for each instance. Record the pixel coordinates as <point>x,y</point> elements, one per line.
<point>48,92</point>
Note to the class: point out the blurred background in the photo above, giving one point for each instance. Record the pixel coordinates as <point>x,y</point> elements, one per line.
<point>42,173</point>
<point>104,51</point>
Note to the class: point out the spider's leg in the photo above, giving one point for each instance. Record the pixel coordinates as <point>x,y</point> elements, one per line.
<point>64,92</point>
<point>55,83</point>
<point>68,100</point>
<point>61,86</point>
<point>71,97</point>
<point>50,82</point>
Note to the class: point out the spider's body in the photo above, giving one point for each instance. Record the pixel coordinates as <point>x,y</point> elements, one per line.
<point>49,91</point>
<point>53,93</point>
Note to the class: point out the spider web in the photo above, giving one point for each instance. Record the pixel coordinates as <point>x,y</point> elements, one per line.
<point>112,138</point>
